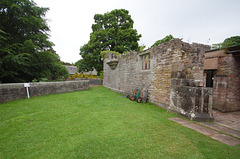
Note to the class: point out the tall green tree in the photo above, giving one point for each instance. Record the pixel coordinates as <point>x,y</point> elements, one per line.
<point>234,40</point>
<point>231,41</point>
<point>111,31</point>
<point>25,49</point>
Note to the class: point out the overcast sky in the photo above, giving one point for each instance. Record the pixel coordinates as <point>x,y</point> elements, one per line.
<point>201,21</point>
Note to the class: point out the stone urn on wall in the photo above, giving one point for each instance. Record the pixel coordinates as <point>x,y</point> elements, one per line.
<point>112,62</point>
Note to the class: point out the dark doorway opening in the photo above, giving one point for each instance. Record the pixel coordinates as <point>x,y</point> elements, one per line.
<point>210,77</point>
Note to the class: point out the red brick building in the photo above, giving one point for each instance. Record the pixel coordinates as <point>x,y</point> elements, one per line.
<point>222,73</point>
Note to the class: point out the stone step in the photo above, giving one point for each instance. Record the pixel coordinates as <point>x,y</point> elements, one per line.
<point>221,129</point>
<point>224,138</point>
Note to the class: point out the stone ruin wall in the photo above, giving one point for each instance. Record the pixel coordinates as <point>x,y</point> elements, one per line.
<point>226,88</point>
<point>226,83</point>
<point>168,61</point>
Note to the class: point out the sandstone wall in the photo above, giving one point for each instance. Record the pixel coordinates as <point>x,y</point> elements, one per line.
<point>226,88</point>
<point>9,92</point>
<point>166,60</point>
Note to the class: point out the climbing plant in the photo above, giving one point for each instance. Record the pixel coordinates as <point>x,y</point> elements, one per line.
<point>167,38</point>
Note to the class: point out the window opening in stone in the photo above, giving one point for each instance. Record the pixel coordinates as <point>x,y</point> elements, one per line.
<point>146,62</point>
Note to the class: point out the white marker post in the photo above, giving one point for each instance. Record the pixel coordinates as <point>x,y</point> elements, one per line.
<point>27,85</point>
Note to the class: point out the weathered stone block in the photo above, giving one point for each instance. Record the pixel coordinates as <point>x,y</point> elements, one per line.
<point>192,102</point>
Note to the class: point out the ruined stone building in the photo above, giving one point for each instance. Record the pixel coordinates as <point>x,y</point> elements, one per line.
<point>71,69</point>
<point>174,74</point>
<point>222,72</point>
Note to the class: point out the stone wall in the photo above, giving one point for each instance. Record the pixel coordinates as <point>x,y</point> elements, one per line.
<point>167,59</point>
<point>220,92</point>
<point>9,92</point>
<point>227,84</point>
<point>190,100</point>
<point>95,81</point>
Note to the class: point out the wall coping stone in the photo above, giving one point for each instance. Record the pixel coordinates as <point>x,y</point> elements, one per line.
<point>35,84</point>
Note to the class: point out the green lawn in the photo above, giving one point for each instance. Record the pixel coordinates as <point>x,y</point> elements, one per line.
<point>98,123</point>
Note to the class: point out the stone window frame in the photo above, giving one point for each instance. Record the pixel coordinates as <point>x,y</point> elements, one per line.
<point>145,58</point>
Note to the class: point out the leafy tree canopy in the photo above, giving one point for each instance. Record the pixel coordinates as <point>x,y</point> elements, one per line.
<point>234,40</point>
<point>167,38</point>
<point>111,31</point>
<point>25,50</point>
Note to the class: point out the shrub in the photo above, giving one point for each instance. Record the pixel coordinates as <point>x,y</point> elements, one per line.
<point>43,80</point>
<point>83,75</point>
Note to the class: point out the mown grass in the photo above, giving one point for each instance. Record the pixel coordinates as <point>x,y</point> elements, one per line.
<point>98,123</point>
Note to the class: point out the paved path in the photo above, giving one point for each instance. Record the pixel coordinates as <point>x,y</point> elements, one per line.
<point>214,130</point>
<point>230,119</point>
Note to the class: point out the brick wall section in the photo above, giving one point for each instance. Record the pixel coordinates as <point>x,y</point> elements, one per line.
<point>168,59</point>
<point>228,66</point>
<point>14,91</point>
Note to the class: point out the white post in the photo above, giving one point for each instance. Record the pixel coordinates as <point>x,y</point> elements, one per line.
<point>27,93</point>
<point>27,85</point>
